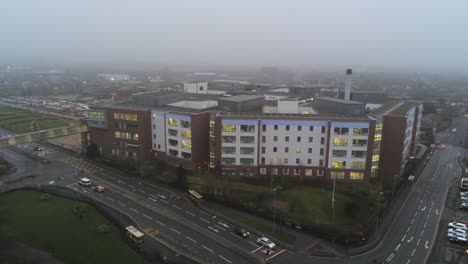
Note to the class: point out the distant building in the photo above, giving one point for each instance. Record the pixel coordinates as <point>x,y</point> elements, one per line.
<point>114,77</point>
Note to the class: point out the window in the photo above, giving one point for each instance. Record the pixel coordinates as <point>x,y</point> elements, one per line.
<point>212,134</point>
<point>263,150</point>
<point>287,127</point>
<point>135,136</point>
<point>159,146</point>
<point>320,173</point>
<point>264,128</point>
<point>286,150</point>
<point>297,171</point>
<point>321,152</point>
<point>229,139</point>
<point>94,114</point>
<point>338,164</point>
<point>298,139</point>
<point>340,142</point>
<point>276,127</point>
<point>359,142</point>
<point>358,154</point>
<point>286,160</point>
<point>263,161</point>
<point>117,134</point>
<point>154,145</point>
<point>186,155</point>
<point>358,165</point>
<point>172,122</point>
<point>229,128</point>
<point>173,152</point>
<point>186,134</point>
<point>247,139</point>
<point>299,128</point>
<point>361,131</point>
<point>308,172</point>
<point>309,161</point>
<point>274,149</point>
<point>339,153</point>
<point>309,150</point>
<point>263,139</point>
<point>298,150</point>
<point>185,124</point>
<point>275,138</point>
<point>285,171</point>
<point>337,174</point>
<point>321,163</point>
<point>154,126</point>
<point>274,160</point>
<point>229,150</point>
<point>341,130</point>
<point>173,142</point>
<point>173,132</point>
<point>356,176</point>
<point>286,139</point>
<point>247,151</point>
<point>247,128</point>
<point>247,161</point>
<point>311,128</point>
<point>322,140</point>
<point>212,123</point>
<point>375,158</point>
<point>263,171</point>
<point>323,130</point>
<point>298,161</point>
<point>274,171</point>
<point>228,161</point>
<point>311,139</point>
<point>128,117</point>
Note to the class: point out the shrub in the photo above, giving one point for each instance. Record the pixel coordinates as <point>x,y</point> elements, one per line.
<point>45,197</point>
<point>103,229</point>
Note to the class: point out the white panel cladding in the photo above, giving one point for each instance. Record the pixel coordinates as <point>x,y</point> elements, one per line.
<point>174,142</point>
<point>158,128</point>
<point>349,147</point>
<point>288,148</point>
<point>244,140</point>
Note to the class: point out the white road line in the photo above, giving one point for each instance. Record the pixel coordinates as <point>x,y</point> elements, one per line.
<point>425,224</point>
<point>426,245</point>
<point>417,244</point>
<point>225,259</point>
<point>175,230</point>
<point>414,250</point>
<point>146,216</point>
<point>409,260</point>
<point>204,220</point>
<point>207,248</point>
<point>110,199</point>
<point>403,239</point>
<point>160,223</point>
<point>276,254</point>
<point>412,221</point>
<point>220,227</point>
<point>193,240</point>
<point>432,204</point>
<point>407,230</point>
<point>177,207</point>
<point>422,232</point>
<point>164,201</point>
<point>213,229</point>
<point>223,224</point>
<point>430,209</point>
<point>255,245</point>
<point>427,217</point>
<point>133,210</point>
<point>256,250</point>
<point>415,213</point>
<point>122,204</point>
<point>190,213</point>
<point>390,257</point>
<point>74,188</point>
<point>112,178</point>
<point>141,191</point>
<point>398,247</point>
<point>132,186</point>
<point>409,240</point>
<point>151,199</point>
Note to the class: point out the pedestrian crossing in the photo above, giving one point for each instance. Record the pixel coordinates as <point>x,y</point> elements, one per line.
<point>82,165</point>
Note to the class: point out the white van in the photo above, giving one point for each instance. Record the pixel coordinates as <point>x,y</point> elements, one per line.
<point>85,182</point>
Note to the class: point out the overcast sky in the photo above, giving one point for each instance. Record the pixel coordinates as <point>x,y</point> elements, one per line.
<point>397,33</point>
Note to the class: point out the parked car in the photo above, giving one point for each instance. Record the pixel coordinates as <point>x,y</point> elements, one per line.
<point>464,198</point>
<point>85,182</point>
<point>266,242</point>
<point>241,232</point>
<point>457,239</point>
<point>98,188</point>
<point>457,225</point>
<point>456,232</point>
<point>463,221</point>
<point>463,193</point>
<point>464,206</point>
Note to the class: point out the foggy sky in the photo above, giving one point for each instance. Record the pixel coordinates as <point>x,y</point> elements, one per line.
<point>397,33</point>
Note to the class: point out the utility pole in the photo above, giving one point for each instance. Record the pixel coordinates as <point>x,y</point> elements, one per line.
<point>274,211</point>
<point>333,208</point>
<point>378,209</point>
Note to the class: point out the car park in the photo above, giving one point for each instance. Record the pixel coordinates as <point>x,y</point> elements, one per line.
<point>241,232</point>
<point>98,188</point>
<point>266,242</point>
<point>457,225</point>
<point>85,182</point>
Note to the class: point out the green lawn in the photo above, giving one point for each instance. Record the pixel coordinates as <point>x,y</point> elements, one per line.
<point>19,120</point>
<point>52,224</point>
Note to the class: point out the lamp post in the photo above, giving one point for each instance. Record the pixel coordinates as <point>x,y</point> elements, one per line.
<point>274,206</point>
<point>378,209</point>
<point>333,209</point>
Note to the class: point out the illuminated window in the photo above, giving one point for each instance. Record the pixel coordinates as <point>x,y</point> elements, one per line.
<point>229,128</point>
<point>305,112</point>
<point>298,150</point>
<point>374,168</point>
<point>285,160</point>
<point>340,142</point>
<point>378,137</point>
<point>274,171</point>
<point>188,134</point>
<point>186,144</point>
<point>274,160</point>
<point>117,135</point>
<point>337,174</point>
<point>356,176</point>
<point>94,114</point>
<point>341,130</point>
<point>359,142</point>
<point>172,122</point>
<point>185,124</point>
<point>135,136</point>
<point>131,117</point>
<point>375,158</point>
<point>212,164</point>
<point>361,131</point>
<point>247,128</point>
<point>308,172</point>
<point>212,155</point>
<point>338,164</point>
<point>212,123</point>
<point>358,165</point>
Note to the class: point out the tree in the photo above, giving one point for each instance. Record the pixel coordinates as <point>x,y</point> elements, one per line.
<point>92,151</point>
<point>34,125</point>
<point>181,181</point>
<point>80,210</point>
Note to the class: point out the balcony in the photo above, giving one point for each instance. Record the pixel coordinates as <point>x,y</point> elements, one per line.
<point>173,143</point>
<point>247,140</point>
<point>173,132</point>
<point>247,151</point>
<point>229,150</point>
<point>229,139</point>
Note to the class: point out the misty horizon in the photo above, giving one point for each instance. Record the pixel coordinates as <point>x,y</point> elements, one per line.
<point>331,34</point>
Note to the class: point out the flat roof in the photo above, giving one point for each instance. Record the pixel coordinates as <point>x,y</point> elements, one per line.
<point>337,100</point>
<point>396,108</point>
<point>241,98</point>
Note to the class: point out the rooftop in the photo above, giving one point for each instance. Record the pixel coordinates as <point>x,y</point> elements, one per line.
<point>337,100</point>
<point>241,98</point>
<point>397,108</point>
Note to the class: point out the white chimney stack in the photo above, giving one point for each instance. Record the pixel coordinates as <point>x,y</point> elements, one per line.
<point>347,93</point>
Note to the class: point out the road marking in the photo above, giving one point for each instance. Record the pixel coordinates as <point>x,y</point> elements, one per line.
<point>390,257</point>
<point>175,230</point>
<point>190,213</point>
<point>409,241</point>
<point>427,217</point>
<point>146,216</point>
<point>255,245</point>
<point>189,238</point>
<point>409,260</point>
<point>407,230</point>
<point>223,224</point>
<point>204,220</point>
<point>160,223</point>
<point>412,254</point>
<point>162,196</point>
<point>112,178</point>
<point>398,247</point>
<point>437,212</point>
<point>122,204</point>
<point>276,254</point>
<point>151,199</point>
<point>422,232</point>
<point>417,244</point>
<point>220,227</point>
<point>213,229</point>
<point>110,199</point>
<point>256,249</point>
<point>74,188</point>
<point>421,201</point>
<point>412,221</point>
<point>430,209</point>
<point>207,248</point>
<point>403,239</point>
<point>133,187</point>
<point>423,209</point>
<point>177,207</point>
<point>141,191</point>
<point>425,224</point>
<point>225,259</point>
<point>415,213</point>
<point>133,210</point>
<point>164,201</point>
<point>426,245</point>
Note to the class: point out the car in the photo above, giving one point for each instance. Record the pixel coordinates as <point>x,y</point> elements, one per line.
<point>98,188</point>
<point>266,242</point>
<point>464,198</point>
<point>464,205</point>
<point>457,239</point>
<point>463,221</point>
<point>38,148</point>
<point>241,232</point>
<point>457,225</point>
<point>463,193</point>
<point>85,182</point>
<point>456,232</point>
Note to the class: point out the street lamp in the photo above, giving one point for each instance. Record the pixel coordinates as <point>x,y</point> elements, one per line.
<point>378,209</point>
<point>277,188</point>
